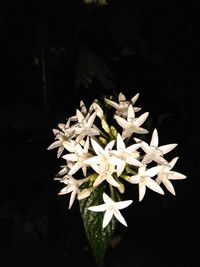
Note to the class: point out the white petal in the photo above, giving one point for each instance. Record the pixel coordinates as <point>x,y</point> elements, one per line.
<point>121,97</point>
<point>135,179</point>
<point>142,190</point>
<point>112,181</point>
<point>167,148</point>
<point>110,145</point>
<point>169,186</point>
<point>173,162</point>
<point>154,186</point>
<point>107,199</point>
<point>107,217</point>
<point>135,98</point>
<point>54,145</point>
<point>176,176</point>
<point>133,161</point>
<point>97,148</point>
<point>98,208</point>
<point>91,119</point>
<point>72,198</point>
<point>119,217</point>
<point>70,157</point>
<point>154,139</point>
<point>120,167</point>
<point>122,122</point>
<point>112,103</point>
<point>120,142</point>
<point>139,121</point>
<point>153,171</point>
<point>133,148</point>
<point>74,169</point>
<point>123,204</point>
<point>98,181</point>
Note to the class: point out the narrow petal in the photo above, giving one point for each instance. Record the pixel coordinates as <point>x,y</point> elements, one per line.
<point>120,167</point>
<point>107,199</point>
<point>120,142</point>
<point>140,120</point>
<point>54,145</point>
<point>91,119</point>
<point>121,121</point>
<point>133,161</point>
<point>154,139</point>
<point>98,181</point>
<point>142,190</point>
<point>112,103</point>
<point>97,148</point>
<point>112,181</point>
<point>98,208</point>
<point>70,157</point>
<point>123,204</point>
<point>167,148</point>
<point>173,162</point>
<point>169,186</point>
<point>176,176</point>
<point>135,179</point>
<point>153,171</point>
<point>135,98</point>
<point>154,186</point>
<point>119,217</point>
<point>72,198</point>
<point>107,217</point>
<point>74,169</point>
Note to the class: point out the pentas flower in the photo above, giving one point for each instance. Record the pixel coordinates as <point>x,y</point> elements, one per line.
<point>122,106</point>
<point>144,179</point>
<point>153,151</point>
<point>103,148</point>
<point>132,124</point>
<point>166,174</point>
<point>111,208</point>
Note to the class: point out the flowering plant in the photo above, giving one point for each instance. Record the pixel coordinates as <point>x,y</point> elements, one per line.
<point>104,152</point>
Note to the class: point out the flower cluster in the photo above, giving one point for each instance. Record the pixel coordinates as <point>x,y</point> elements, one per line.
<point>103,144</point>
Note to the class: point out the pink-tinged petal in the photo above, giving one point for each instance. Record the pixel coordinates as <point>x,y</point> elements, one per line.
<point>176,176</point>
<point>123,204</point>
<point>153,171</point>
<point>72,198</point>
<point>98,208</point>
<point>121,121</point>
<point>169,186</point>
<point>167,148</point>
<point>154,139</point>
<point>140,120</point>
<point>112,181</point>
<point>107,217</point>
<point>54,145</point>
<point>120,142</point>
<point>70,157</point>
<point>112,103</point>
<point>97,148</point>
<point>154,186</point>
<point>141,131</point>
<point>142,191</point>
<point>119,217</point>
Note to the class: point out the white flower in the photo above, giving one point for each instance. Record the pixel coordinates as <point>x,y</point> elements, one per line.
<point>132,124</point>
<point>165,174</point>
<point>103,163</point>
<point>72,187</point>
<point>79,156</point>
<point>111,208</point>
<point>125,155</point>
<point>153,151</point>
<point>143,179</point>
<point>122,107</point>
<point>85,127</point>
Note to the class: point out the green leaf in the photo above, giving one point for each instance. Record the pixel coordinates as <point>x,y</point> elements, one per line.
<point>99,238</point>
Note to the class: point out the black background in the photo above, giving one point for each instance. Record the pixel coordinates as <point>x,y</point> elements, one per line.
<point>48,49</point>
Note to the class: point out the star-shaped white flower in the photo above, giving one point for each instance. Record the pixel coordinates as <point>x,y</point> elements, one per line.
<point>103,163</point>
<point>153,151</point>
<point>143,179</point>
<point>85,126</point>
<point>72,187</point>
<point>122,107</point>
<point>111,208</point>
<point>132,124</point>
<point>165,175</point>
<point>79,156</point>
<point>126,155</point>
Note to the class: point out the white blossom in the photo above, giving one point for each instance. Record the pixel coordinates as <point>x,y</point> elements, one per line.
<point>111,208</point>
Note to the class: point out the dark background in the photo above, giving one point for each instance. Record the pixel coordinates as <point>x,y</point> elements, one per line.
<point>52,55</point>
